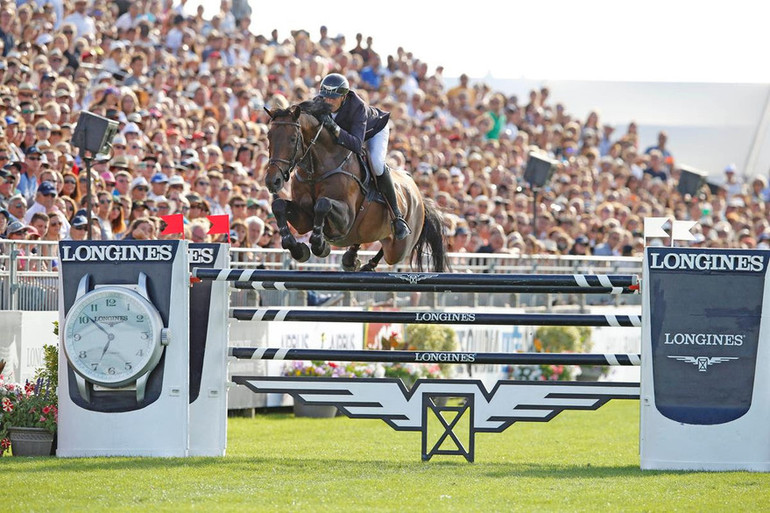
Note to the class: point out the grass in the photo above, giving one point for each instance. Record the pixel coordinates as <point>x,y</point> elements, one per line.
<point>581,461</point>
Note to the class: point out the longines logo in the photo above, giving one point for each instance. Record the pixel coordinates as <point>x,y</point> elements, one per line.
<point>445,357</point>
<point>444,317</point>
<point>704,339</point>
<point>703,362</point>
<point>707,262</point>
<point>413,278</point>
<point>201,255</point>
<point>111,320</point>
<point>115,253</point>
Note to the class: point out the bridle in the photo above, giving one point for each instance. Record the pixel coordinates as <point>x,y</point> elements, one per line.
<point>294,162</point>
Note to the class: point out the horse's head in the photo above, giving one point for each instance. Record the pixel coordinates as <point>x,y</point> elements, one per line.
<point>291,131</point>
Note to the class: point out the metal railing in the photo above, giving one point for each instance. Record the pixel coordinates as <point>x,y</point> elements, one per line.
<point>29,279</point>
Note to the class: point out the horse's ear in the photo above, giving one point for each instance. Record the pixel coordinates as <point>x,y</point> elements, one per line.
<point>268,112</point>
<point>295,112</point>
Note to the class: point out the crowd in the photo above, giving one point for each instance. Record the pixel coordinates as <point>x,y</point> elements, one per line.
<point>189,93</point>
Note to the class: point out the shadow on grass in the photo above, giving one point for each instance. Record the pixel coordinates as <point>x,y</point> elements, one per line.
<point>291,465</point>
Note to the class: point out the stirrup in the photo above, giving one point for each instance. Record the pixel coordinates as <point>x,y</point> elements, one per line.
<point>400,229</point>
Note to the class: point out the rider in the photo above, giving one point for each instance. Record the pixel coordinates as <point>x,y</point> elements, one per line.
<point>352,123</point>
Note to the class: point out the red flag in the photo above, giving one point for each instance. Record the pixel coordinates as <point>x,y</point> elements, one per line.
<point>220,224</point>
<point>174,224</point>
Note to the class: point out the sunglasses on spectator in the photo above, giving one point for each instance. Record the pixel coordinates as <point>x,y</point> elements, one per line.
<point>239,205</point>
<point>83,180</point>
<point>4,158</point>
<point>78,227</point>
<point>119,146</point>
<point>27,111</point>
<point>33,158</point>
<point>105,202</point>
<point>19,205</point>
<point>50,195</point>
<point>203,183</point>
<point>70,181</point>
<point>54,224</point>
<point>42,128</point>
<point>142,188</point>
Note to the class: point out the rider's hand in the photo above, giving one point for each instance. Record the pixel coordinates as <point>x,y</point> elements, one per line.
<point>330,125</point>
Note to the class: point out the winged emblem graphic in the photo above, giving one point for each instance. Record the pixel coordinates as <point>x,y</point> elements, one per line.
<point>413,278</point>
<point>703,362</point>
<point>404,409</point>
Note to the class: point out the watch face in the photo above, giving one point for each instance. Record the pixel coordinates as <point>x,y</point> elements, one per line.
<point>112,335</point>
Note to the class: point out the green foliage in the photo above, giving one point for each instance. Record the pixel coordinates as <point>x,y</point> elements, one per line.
<point>559,339</point>
<point>431,337</point>
<point>31,405</point>
<point>50,369</point>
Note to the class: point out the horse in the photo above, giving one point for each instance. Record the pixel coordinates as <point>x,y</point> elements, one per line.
<point>332,195</point>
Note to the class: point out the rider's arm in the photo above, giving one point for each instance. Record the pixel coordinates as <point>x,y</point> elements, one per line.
<point>353,139</point>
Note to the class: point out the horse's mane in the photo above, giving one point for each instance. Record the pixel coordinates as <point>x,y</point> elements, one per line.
<point>315,108</point>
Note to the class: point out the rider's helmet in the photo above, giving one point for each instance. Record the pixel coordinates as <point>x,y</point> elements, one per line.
<point>334,85</point>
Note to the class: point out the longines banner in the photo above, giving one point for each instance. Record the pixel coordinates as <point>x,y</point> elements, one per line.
<point>702,350</point>
<point>705,332</point>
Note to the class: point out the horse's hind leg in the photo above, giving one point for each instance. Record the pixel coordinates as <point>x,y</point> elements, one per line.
<point>299,250</point>
<point>350,261</point>
<point>371,264</point>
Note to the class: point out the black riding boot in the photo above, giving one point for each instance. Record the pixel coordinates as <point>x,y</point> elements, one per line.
<point>385,182</point>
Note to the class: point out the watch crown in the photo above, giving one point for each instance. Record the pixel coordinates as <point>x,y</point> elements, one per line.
<point>165,336</point>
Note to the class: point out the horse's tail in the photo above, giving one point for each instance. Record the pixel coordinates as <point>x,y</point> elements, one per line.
<point>432,236</point>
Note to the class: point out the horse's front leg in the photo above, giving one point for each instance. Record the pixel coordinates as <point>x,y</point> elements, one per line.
<point>336,213</point>
<point>284,210</point>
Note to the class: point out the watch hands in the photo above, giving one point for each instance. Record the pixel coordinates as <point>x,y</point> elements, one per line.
<point>110,336</point>
<point>99,326</point>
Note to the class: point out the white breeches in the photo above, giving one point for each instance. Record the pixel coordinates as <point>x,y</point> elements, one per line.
<point>377,147</point>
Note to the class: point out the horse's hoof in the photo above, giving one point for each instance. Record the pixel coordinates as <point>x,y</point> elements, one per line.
<point>368,267</point>
<point>350,267</point>
<point>321,250</point>
<point>289,243</point>
<point>300,252</point>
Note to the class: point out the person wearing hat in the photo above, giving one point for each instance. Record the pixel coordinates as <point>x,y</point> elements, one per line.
<point>352,123</point>
<point>78,228</point>
<point>733,184</point>
<point>17,230</point>
<point>7,185</point>
<point>45,201</point>
<point>139,188</point>
<point>28,179</point>
<point>580,246</point>
<point>158,185</point>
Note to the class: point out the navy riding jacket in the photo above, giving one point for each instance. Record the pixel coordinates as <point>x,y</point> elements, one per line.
<point>358,122</point>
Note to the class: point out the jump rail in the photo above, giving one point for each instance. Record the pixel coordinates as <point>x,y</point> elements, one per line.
<point>266,353</point>
<point>427,287</point>
<point>432,317</point>
<point>584,283</point>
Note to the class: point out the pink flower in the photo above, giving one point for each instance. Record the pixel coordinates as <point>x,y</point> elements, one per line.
<point>7,405</point>
<point>42,419</point>
<point>46,409</point>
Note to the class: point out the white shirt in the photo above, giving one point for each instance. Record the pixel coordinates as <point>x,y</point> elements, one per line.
<point>85,25</point>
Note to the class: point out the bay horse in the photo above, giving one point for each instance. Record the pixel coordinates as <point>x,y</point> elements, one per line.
<point>332,196</point>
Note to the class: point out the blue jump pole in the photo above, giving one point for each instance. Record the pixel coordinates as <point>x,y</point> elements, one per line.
<point>432,317</point>
<point>265,353</point>
<point>437,282</point>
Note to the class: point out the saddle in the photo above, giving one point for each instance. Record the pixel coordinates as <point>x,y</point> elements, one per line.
<point>371,192</point>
